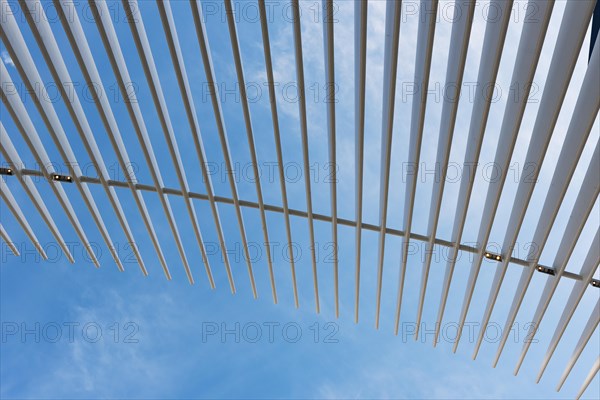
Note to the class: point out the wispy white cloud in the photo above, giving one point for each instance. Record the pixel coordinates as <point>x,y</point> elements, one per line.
<point>111,367</point>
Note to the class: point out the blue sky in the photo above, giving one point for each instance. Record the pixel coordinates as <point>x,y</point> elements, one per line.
<point>174,353</point>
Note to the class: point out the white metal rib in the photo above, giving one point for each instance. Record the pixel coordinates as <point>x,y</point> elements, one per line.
<point>9,152</point>
<point>115,55</point>
<point>590,265</point>
<point>425,38</point>
<point>138,31</point>
<point>188,101</point>
<point>459,43</point>
<point>390,68</point>
<point>570,39</point>
<point>15,44</point>
<point>329,57</point>
<point>4,236</point>
<point>218,112</point>
<point>360,72</point>
<point>582,120</point>
<point>184,86</point>
<point>81,49</point>
<point>493,44</point>
<point>304,133</point>
<point>274,116</point>
<point>579,215</point>
<point>40,28</point>
<point>237,56</point>
<point>528,55</point>
<point>589,378</point>
<point>16,108</point>
<point>587,333</point>
<point>15,209</point>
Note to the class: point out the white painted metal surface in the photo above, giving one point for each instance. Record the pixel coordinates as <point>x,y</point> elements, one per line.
<point>569,43</point>
<point>330,100</point>
<point>16,211</point>
<point>4,236</point>
<point>459,43</point>
<point>81,48</point>
<point>493,44</point>
<point>304,134</point>
<point>417,123</point>
<point>360,72</point>
<point>528,55</point>
<point>277,137</point>
<point>16,108</point>
<point>9,152</point>
<point>565,53</point>
<point>390,69</point>
<point>16,46</point>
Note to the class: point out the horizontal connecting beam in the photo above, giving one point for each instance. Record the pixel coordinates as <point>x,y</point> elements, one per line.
<point>297,213</point>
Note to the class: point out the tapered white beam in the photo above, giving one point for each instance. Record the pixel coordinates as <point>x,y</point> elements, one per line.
<point>329,47</point>
<point>83,54</point>
<point>588,331</point>
<point>16,108</point>
<point>4,236</point>
<point>584,115</point>
<point>528,55</point>
<point>15,209</point>
<point>220,121</point>
<point>188,101</point>
<point>459,43</point>
<point>138,31</point>
<point>584,204</point>
<point>590,265</point>
<point>40,27</point>
<point>9,152</point>
<point>115,55</point>
<point>304,134</point>
<point>276,133</point>
<point>17,48</point>
<point>493,44</point>
<point>360,72</point>
<point>589,378</point>
<point>390,68</point>
<point>237,56</point>
<point>427,21</point>
<point>570,39</point>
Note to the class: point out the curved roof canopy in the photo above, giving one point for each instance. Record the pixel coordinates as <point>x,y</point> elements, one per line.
<point>163,126</point>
